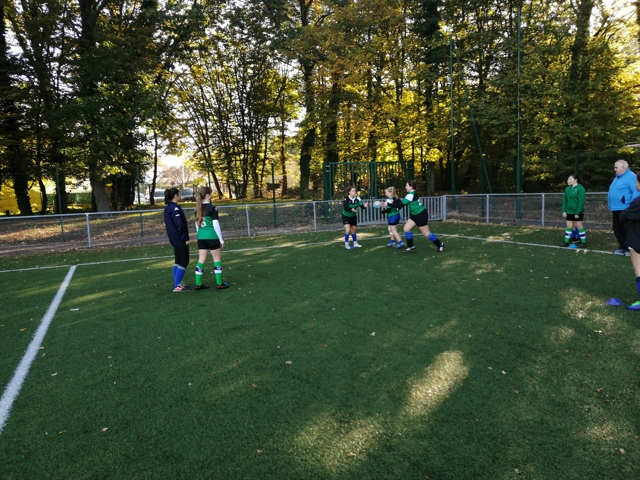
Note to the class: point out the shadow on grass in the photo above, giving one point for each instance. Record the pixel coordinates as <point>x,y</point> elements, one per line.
<point>489,361</point>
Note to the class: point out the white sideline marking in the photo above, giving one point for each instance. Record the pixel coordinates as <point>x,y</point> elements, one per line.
<point>300,245</point>
<point>14,386</point>
<point>164,257</point>
<point>495,240</point>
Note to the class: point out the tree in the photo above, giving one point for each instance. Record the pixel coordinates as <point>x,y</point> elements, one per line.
<point>41,33</point>
<point>11,121</point>
<point>228,99</point>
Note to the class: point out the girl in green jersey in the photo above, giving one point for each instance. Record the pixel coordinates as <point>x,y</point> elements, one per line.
<point>393,218</point>
<point>209,238</point>
<point>573,210</point>
<point>418,216</point>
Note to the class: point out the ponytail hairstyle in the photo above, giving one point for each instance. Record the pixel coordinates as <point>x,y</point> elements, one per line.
<point>576,177</point>
<point>169,194</point>
<point>391,191</point>
<point>202,193</point>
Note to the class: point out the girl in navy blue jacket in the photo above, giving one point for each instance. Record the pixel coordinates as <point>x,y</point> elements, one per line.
<point>178,233</point>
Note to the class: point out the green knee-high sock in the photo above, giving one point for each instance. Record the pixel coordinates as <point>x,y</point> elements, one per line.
<point>567,235</point>
<point>217,268</point>
<point>199,270</point>
<point>583,235</point>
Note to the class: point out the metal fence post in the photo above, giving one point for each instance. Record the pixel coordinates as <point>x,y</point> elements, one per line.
<point>443,207</point>
<point>315,221</point>
<point>248,221</point>
<point>542,213</point>
<point>88,229</point>
<point>487,208</point>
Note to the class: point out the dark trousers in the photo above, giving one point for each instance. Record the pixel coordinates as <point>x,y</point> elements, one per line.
<point>619,230</point>
<point>181,255</point>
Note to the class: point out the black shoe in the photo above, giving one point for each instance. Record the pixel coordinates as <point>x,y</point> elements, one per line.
<point>441,248</point>
<point>223,286</point>
<point>565,244</point>
<point>409,249</point>
<point>582,245</point>
<point>202,287</point>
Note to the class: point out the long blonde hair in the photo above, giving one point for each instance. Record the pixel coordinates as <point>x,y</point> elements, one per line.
<point>392,192</point>
<point>202,193</point>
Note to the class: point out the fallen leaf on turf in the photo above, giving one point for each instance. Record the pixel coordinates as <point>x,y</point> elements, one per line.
<point>621,450</point>
<point>54,374</point>
<point>373,334</point>
<point>104,429</point>
<point>503,372</point>
<point>75,309</point>
<point>351,454</point>
<point>288,362</point>
<point>516,392</point>
<point>22,329</point>
<point>62,432</point>
<point>259,451</point>
<point>326,345</point>
<point>254,385</point>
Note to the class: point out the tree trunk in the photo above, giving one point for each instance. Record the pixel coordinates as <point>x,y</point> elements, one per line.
<point>43,196</point>
<point>156,147</point>
<point>20,185</point>
<point>100,195</point>
<point>431,179</point>
<point>579,69</point>
<point>331,138</point>
<point>309,139</point>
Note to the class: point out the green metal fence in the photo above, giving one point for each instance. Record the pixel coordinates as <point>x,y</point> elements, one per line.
<point>370,178</point>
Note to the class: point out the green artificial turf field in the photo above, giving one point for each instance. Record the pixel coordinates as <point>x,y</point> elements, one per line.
<point>496,359</point>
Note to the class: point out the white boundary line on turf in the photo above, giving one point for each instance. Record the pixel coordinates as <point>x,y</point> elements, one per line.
<point>13,387</point>
<point>300,245</point>
<point>164,257</point>
<point>455,235</point>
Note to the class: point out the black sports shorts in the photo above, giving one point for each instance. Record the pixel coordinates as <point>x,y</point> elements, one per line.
<point>209,244</point>
<point>421,218</point>
<point>353,221</point>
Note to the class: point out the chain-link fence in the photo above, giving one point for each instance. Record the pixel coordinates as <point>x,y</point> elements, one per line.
<point>536,209</point>
<point>24,234</point>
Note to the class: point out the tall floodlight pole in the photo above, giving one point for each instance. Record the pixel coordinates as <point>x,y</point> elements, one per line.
<point>453,134</point>
<point>518,152</point>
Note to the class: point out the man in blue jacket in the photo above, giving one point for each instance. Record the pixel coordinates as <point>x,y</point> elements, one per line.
<point>621,192</point>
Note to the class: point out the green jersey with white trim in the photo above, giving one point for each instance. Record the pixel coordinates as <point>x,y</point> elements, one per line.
<point>349,206</point>
<point>205,229</point>
<point>412,200</point>
<point>389,209</point>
